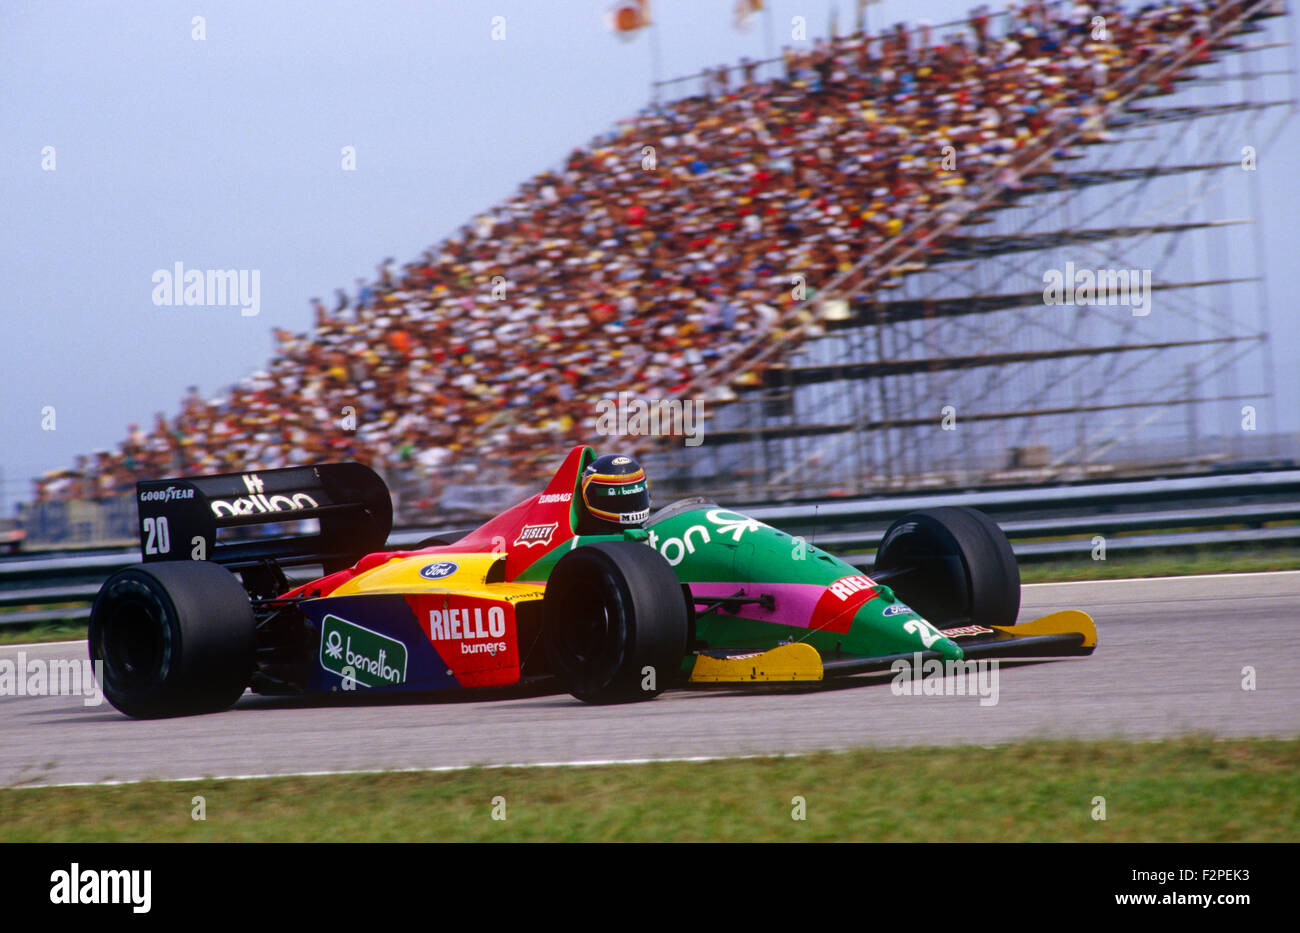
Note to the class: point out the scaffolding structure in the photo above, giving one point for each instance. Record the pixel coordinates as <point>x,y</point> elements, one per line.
<point>949,367</point>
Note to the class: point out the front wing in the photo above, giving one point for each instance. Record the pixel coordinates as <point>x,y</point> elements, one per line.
<point>1061,634</point>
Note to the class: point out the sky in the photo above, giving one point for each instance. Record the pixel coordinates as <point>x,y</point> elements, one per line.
<point>226,152</point>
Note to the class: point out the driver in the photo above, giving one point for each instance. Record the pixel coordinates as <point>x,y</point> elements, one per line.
<point>615,495</point>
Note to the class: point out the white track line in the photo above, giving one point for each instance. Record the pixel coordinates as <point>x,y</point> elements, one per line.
<point>439,769</point>
<point>1196,576</point>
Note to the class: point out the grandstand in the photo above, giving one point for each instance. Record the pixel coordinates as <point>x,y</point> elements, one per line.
<point>952,313</point>
<point>831,251</point>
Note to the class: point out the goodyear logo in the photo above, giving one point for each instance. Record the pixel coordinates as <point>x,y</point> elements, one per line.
<point>356,652</point>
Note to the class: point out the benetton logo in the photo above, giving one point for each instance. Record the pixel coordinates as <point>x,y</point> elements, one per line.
<point>356,653</point>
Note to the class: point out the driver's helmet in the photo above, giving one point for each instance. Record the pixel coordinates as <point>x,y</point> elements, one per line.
<point>615,490</point>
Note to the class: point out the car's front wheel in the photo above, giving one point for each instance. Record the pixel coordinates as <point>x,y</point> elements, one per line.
<point>952,565</point>
<point>615,622</point>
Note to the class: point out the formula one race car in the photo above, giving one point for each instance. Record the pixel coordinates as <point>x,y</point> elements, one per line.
<point>696,595</point>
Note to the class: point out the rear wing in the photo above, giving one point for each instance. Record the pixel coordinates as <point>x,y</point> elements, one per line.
<point>180,518</point>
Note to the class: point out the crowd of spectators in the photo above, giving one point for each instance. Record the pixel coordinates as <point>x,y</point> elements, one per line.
<point>656,250</point>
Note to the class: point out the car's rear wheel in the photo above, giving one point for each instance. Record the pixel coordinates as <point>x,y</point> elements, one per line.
<point>952,565</point>
<point>615,622</point>
<point>175,638</point>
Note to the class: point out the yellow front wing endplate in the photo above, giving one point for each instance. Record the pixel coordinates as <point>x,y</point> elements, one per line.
<point>1065,622</point>
<point>791,663</point>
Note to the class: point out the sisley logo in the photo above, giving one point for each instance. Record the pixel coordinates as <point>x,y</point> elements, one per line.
<point>535,535</point>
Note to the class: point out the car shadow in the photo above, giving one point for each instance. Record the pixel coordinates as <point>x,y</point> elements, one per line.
<point>521,691</point>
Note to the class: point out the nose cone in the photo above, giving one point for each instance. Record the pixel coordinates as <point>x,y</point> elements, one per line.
<point>895,628</point>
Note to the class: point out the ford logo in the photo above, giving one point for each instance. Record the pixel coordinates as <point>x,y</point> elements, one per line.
<point>443,568</point>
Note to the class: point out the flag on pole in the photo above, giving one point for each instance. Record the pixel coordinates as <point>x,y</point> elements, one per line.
<point>743,15</point>
<point>628,17</point>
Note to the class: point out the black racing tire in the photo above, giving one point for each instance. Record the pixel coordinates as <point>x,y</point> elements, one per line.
<point>611,610</point>
<point>959,566</point>
<point>176,638</point>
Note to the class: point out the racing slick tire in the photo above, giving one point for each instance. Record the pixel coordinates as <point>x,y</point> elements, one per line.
<point>954,565</point>
<point>615,622</point>
<point>176,638</point>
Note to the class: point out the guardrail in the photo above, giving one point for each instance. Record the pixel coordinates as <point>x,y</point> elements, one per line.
<point>1042,523</point>
<point>1064,521</point>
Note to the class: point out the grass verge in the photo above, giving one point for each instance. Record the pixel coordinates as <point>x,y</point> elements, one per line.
<point>1163,564</point>
<point>1191,789</point>
<point>43,631</point>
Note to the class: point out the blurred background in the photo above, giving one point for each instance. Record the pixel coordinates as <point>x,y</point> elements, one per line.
<point>826,225</point>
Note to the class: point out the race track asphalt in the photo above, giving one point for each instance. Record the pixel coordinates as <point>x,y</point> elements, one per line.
<point>1170,662</point>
